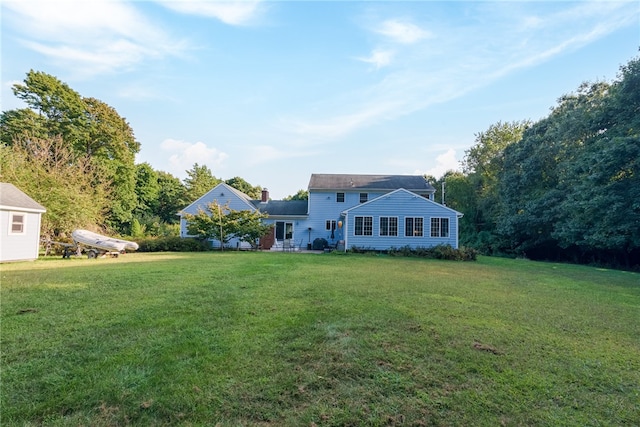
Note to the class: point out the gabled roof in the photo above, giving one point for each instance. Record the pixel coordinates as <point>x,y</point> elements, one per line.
<point>282,207</point>
<point>400,191</point>
<point>216,193</point>
<point>415,183</point>
<point>12,198</point>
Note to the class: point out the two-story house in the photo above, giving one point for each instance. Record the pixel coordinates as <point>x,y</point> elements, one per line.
<point>365,211</point>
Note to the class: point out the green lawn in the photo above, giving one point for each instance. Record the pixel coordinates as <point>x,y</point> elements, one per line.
<point>247,339</point>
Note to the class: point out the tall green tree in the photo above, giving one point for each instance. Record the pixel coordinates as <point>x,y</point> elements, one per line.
<point>88,127</point>
<point>172,197</point>
<point>242,185</point>
<point>199,181</point>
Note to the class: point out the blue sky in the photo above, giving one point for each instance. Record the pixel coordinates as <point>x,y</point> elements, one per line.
<point>274,91</point>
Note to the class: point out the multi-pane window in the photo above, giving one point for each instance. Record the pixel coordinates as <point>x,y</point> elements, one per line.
<point>363,226</point>
<point>330,224</point>
<point>364,197</point>
<point>439,227</point>
<point>340,197</point>
<point>17,223</point>
<point>413,227</point>
<point>388,226</point>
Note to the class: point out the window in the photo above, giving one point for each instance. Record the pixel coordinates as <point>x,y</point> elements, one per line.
<point>330,224</point>
<point>364,226</point>
<point>413,227</point>
<point>340,197</point>
<point>17,223</point>
<point>388,226</point>
<point>364,197</point>
<point>439,227</point>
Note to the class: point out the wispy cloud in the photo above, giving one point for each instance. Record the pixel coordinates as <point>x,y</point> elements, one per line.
<point>444,64</point>
<point>379,58</point>
<point>89,37</point>
<point>402,32</point>
<point>183,155</point>
<point>229,12</point>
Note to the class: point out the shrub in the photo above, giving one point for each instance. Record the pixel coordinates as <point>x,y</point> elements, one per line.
<point>174,244</point>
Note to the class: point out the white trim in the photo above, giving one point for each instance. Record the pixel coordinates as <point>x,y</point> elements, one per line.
<point>21,209</point>
<point>23,222</point>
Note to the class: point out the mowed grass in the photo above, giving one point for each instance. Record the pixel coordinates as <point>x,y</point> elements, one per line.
<point>270,339</point>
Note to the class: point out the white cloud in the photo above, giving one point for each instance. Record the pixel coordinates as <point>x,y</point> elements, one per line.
<point>445,162</point>
<point>183,155</point>
<point>402,32</point>
<point>379,58</point>
<point>89,37</point>
<point>229,12</point>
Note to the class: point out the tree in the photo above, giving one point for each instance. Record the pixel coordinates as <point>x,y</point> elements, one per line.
<point>199,181</point>
<point>242,185</point>
<point>88,127</point>
<point>62,182</point>
<point>221,223</point>
<point>61,108</point>
<point>300,195</point>
<point>172,197</point>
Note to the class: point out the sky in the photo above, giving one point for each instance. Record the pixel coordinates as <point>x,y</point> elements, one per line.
<point>273,91</point>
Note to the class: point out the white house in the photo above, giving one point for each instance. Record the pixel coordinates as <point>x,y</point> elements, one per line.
<point>20,217</point>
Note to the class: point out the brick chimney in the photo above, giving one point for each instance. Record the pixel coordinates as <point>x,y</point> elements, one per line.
<point>265,195</point>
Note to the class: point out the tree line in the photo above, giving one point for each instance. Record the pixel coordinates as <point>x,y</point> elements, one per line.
<point>563,188</point>
<point>76,157</point>
<point>566,187</point>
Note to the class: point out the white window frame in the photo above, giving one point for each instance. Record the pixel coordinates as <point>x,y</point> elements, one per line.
<point>23,223</point>
<point>365,231</point>
<point>389,227</point>
<point>329,224</point>
<point>438,228</point>
<point>411,232</point>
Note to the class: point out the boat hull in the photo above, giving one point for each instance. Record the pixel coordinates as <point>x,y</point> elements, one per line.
<point>95,240</point>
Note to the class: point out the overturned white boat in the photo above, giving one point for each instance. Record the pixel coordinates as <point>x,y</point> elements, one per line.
<point>105,243</point>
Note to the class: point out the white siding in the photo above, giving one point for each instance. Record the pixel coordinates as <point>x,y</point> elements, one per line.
<point>19,247</point>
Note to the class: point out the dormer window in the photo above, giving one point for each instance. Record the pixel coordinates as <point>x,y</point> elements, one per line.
<point>340,197</point>
<point>364,197</point>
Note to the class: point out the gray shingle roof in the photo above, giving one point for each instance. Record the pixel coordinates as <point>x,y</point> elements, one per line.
<point>282,207</point>
<point>12,197</point>
<point>415,183</point>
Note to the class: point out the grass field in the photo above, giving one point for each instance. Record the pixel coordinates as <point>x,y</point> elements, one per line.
<point>270,339</point>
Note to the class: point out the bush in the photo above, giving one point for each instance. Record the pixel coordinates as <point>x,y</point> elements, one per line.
<point>174,244</point>
<point>445,252</point>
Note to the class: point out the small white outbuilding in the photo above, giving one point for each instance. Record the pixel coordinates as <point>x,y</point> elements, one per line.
<point>20,218</point>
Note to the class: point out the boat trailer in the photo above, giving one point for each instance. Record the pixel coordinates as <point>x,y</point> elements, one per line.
<point>76,249</point>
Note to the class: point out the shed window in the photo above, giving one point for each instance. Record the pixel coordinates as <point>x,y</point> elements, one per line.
<point>439,227</point>
<point>388,226</point>
<point>340,197</point>
<point>17,223</point>
<point>363,226</point>
<point>413,227</point>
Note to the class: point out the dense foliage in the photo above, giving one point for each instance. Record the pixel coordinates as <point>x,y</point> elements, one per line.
<point>566,187</point>
<point>221,223</point>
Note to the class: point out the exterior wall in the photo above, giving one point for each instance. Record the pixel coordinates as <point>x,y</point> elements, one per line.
<point>323,206</point>
<point>222,194</point>
<point>19,247</point>
<point>400,204</point>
